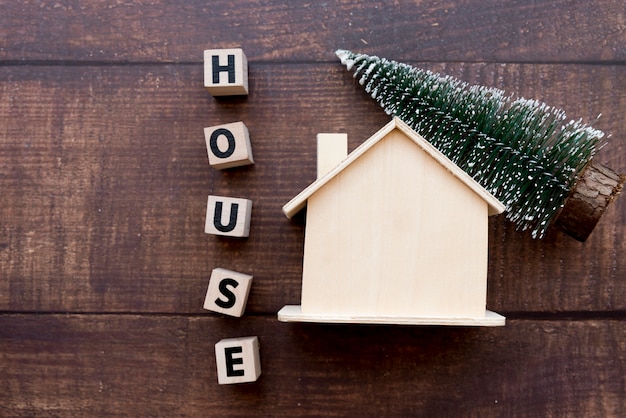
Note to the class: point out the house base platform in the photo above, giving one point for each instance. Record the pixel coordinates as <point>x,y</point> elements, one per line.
<point>293,313</point>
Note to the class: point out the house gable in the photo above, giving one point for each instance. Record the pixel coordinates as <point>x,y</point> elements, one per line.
<point>299,202</point>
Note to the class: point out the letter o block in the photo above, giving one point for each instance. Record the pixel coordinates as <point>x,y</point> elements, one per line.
<point>238,360</point>
<point>227,292</point>
<point>228,145</point>
<point>228,216</point>
<point>226,72</point>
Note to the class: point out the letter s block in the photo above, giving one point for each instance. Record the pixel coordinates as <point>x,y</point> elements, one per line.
<point>238,360</point>
<point>226,72</point>
<point>228,216</point>
<point>227,292</point>
<point>228,145</point>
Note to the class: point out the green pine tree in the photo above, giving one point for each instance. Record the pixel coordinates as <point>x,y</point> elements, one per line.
<point>522,151</point>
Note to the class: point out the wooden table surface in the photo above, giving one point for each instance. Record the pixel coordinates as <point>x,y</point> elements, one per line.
<point>104,262</point>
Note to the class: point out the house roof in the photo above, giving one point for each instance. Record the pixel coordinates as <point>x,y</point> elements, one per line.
<point>296,204</point>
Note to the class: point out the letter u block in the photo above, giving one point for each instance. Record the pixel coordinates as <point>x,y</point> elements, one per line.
<point>228,145</point>
<point>228,216</point>
<point>227,292</point>
<point>226,72</point>
<point>238,360</point>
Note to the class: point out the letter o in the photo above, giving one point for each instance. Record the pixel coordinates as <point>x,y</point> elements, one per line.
<point>213,143</point>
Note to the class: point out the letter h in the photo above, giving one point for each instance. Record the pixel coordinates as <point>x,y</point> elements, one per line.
<point>229,68</point>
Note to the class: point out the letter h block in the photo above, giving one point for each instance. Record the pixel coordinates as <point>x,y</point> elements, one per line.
<point>228,145</point>
<point>227,292</point>
<point>238,360</point>
<point>228,216</point>
<point>226,72</point>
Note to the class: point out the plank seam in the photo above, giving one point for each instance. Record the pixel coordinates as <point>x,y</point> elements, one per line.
<point>88,63</point>
<point>512,315</point>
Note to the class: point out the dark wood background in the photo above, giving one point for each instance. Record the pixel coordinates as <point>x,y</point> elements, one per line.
<point>104,177</point>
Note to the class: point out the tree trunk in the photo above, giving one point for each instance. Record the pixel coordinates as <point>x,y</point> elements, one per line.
<point>596,187</point>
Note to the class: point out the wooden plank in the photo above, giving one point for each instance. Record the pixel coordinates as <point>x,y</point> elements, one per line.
<point>293,313</point>
<point>104,180</point>
<point>126,365</point>
<point>433,30</point>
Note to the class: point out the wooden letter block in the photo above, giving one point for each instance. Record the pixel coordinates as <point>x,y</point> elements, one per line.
<point>226,72</point>
<point>228,145</point>
<point>228,216</point>
<point>227,292</point>
<point>238,360</point>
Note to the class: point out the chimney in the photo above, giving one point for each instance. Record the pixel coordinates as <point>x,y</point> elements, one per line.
<point>332,149</point>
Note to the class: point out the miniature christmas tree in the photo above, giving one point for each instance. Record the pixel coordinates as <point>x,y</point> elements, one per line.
<point>522,151</point>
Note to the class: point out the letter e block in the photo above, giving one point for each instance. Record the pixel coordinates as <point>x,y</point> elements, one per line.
<point>228,216</point>
<point>227,292</point>
<point>228,145</point>
<point>226,72</point>
<point>238,360</point>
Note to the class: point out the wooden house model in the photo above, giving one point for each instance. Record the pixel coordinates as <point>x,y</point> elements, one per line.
<point>395,233</point>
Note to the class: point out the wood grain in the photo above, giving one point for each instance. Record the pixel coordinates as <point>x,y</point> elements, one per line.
<point>104,176</point>
<point>111,365</point>
<point>432,30</point>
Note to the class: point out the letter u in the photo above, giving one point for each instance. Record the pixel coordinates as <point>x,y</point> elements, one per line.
<point>217,217</point>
